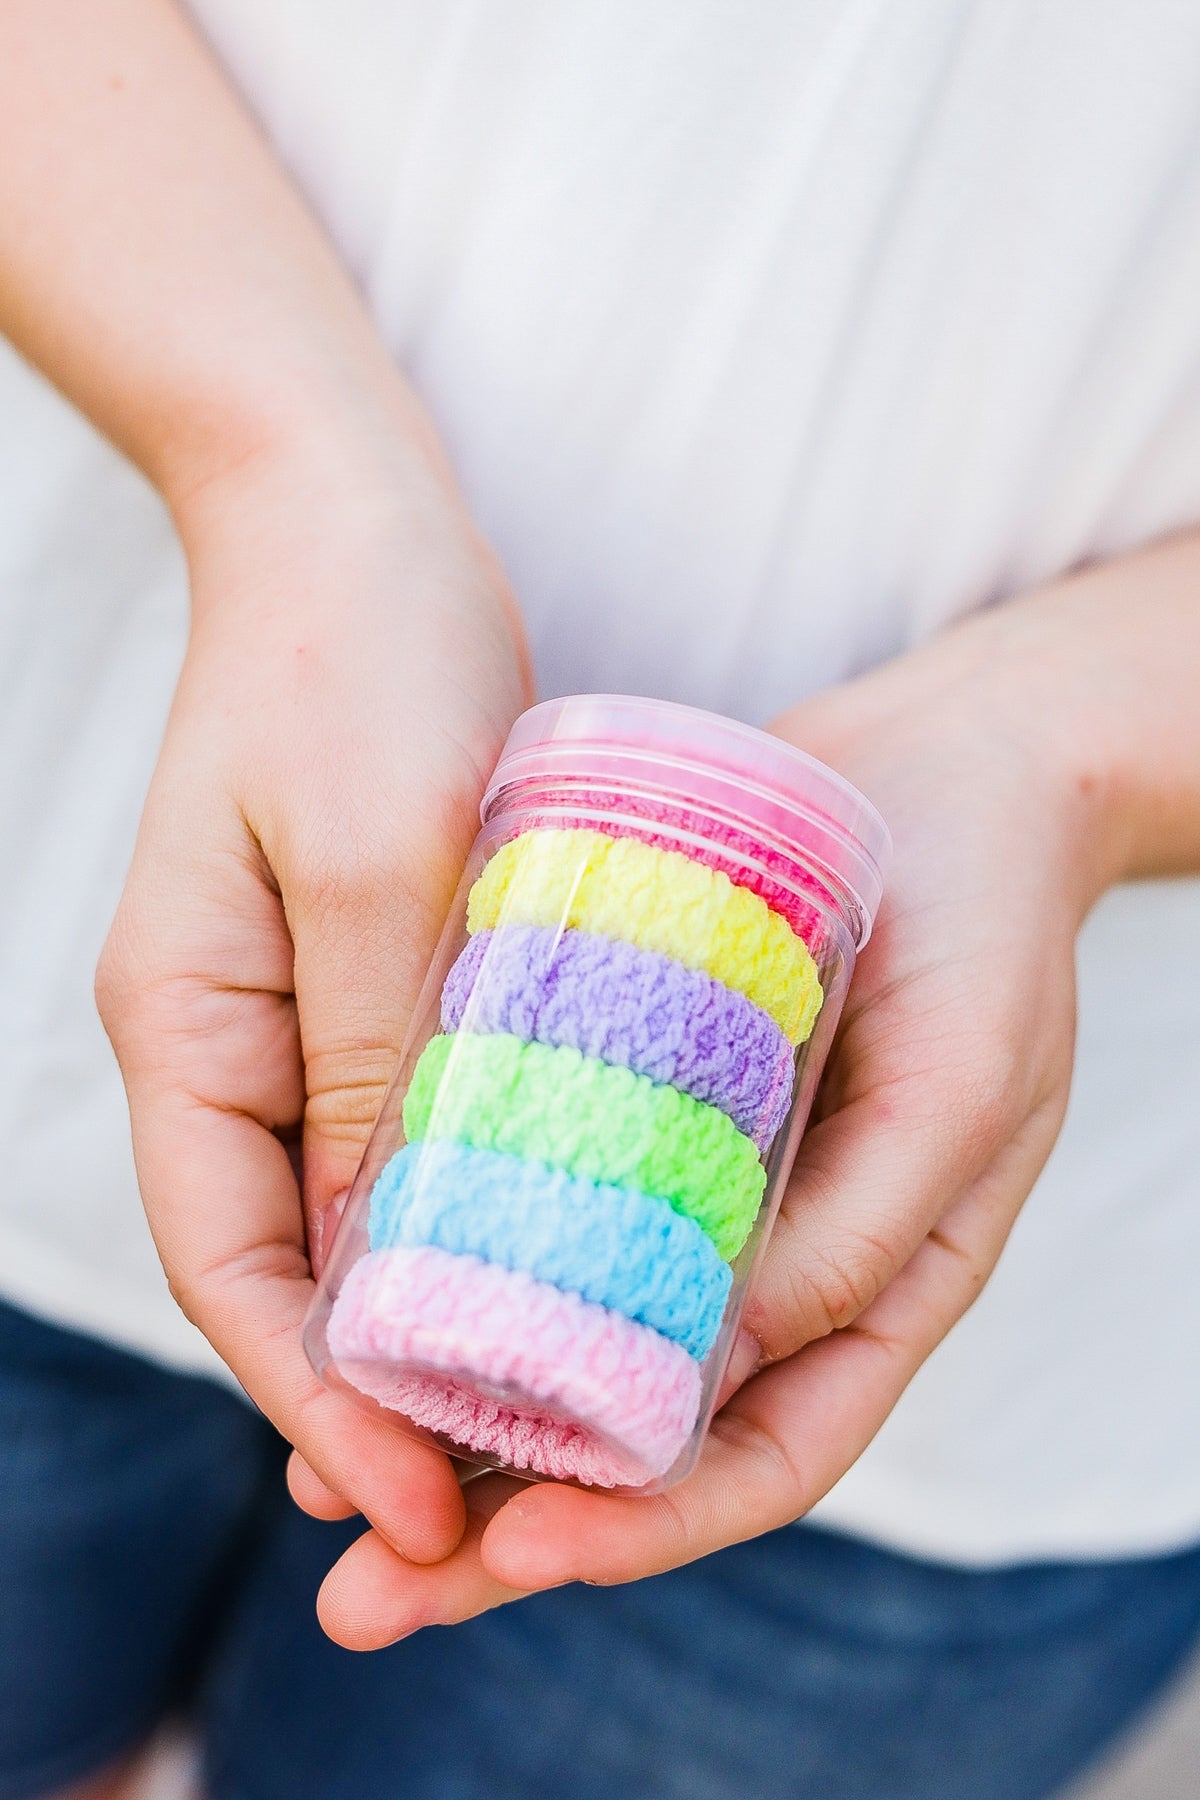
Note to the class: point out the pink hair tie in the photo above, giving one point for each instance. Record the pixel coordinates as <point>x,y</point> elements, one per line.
<point>511,1367</point>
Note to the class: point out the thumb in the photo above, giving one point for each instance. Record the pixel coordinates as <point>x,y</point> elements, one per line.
<point>365,912</point>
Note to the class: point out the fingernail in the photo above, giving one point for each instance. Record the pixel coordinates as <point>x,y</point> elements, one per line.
<point>322,1228</point>
<point>745,1357</point>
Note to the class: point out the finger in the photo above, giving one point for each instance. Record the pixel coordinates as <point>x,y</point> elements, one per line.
<point>212,1069</point>
<point>745,1357</point>
<point>364,908</point>
<point>779,1445</point>
<point>232,1237</point>
<point>869,1185</point>
<point>310,1493</point>
<point>371,1597</point>
<point>934,1073</point>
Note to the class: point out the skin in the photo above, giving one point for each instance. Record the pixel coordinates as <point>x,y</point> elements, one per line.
<point>355,660</point>
<point>354,663</point>
<point>1026,760</point>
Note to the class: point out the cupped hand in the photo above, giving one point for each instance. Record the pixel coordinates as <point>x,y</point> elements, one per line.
<point>943,1096</point>
<point>354,664</point>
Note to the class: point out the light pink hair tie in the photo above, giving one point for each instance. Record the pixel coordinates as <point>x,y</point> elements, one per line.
<point>508,1366</point>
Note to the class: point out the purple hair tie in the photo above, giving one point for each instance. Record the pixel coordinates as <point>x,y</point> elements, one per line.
<point>631,1008</point>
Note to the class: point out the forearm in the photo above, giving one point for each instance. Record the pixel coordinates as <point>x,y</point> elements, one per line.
<point>1086,690</point>
<point>156,263</point>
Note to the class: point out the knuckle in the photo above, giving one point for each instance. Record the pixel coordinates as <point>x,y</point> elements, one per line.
<point>846,1280</point>
<point>826,1290</point>
<point>187,1295</point>
<point>973,1260</point>
<point>212,1292</point>
<point>346,1085</point>
<point>354,869</point>
<point>768,1453</point>
<point>109,987</point>
<point>338,879</point>
<point>117,988</point>
<point>365,853</point>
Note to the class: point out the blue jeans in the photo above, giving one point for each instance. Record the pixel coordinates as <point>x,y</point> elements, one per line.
<point>150,1562</point>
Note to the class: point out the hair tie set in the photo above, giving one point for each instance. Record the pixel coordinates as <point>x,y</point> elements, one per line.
<point>549,1253</point>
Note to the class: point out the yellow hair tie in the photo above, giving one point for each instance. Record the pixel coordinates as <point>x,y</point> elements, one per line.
<point>659,900</point>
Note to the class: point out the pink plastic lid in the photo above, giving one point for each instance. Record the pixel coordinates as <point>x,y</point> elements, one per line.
<point>793,801</point>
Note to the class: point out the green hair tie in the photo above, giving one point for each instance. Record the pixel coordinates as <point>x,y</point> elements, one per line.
<point>573,1112</point>
<point>659,900</point>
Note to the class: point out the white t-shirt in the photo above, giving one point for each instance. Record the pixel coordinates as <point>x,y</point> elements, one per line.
<point>766,338</point>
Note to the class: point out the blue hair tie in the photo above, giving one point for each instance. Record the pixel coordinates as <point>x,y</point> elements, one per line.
<point>625,1250</point>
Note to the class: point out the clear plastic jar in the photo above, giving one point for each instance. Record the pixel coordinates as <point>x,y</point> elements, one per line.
<point>543,1257</point>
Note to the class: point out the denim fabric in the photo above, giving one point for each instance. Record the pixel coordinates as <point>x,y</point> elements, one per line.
<point>149,1559</point>
<point>129,1499</point>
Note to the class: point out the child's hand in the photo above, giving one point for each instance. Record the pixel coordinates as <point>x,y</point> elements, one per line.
<point>942,1100</point>
<point>986,752</point>
<point>354,665</point>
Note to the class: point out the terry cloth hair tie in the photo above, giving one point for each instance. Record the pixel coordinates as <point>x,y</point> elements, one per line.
<point>599,1380</point>
<point>659,900</point>
<point>577,1114</point>
<point>627,1251</point>
<point>628,1007</point>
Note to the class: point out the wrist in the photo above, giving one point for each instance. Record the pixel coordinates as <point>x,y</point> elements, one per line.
<point>993,714</point>
<point>1099,671</point>
<point>1025,672</point>
<point>289,517</point>
<point>1094,676</point>
<point>343,544</point>
<point>332,440</point>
